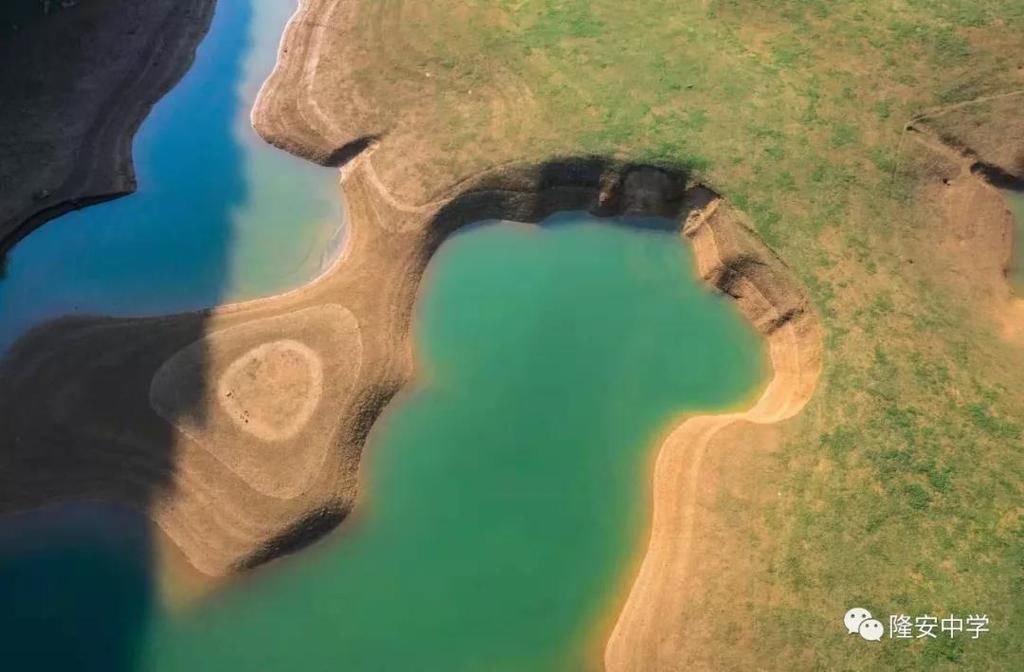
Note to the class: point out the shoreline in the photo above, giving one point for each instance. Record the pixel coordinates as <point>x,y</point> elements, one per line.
<point>188,45</point>
<point>282,118</point>
<point>649,626</point>
<point>336,253</point>
<point>376,277</point>
<point>223,525</point>
<point>168,49</point>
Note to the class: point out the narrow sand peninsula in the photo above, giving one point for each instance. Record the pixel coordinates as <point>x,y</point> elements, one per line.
<point>76,84</point>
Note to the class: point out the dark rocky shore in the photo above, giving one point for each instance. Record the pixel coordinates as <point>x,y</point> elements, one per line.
<point>77,81</point>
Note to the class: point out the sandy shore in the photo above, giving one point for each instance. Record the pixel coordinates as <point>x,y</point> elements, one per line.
<point>652,629</point>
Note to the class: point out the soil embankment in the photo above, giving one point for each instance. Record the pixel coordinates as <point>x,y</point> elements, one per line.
<point>989,130</point>
<point>975,157</point>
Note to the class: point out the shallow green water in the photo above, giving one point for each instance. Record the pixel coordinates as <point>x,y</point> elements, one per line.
<point>1016,271</point>
<point>505,497</point>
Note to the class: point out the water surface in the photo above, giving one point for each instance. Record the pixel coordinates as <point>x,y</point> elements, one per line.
<point>75,589</point>
<point>219,216</point>
<point>506,495</point>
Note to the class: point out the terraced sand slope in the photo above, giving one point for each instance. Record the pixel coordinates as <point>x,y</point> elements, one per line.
<point>226,441</point>
<point>262,416</point>
<point>238,430</point>
<point>324,102</point>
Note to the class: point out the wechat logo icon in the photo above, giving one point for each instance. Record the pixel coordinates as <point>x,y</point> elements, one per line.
<point>858,621</point>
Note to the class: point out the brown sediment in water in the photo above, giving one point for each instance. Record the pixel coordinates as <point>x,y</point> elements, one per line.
<point>77,84</point>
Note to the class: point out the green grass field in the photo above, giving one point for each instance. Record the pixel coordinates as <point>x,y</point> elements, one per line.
<point>900,486</point>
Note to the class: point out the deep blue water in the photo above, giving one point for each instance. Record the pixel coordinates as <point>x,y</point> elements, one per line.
<point>219,216</point>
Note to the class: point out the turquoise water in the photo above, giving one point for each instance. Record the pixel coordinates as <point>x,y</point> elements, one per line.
<point>1016,270</point>
<point>219,216</point>
<point>505,495</point>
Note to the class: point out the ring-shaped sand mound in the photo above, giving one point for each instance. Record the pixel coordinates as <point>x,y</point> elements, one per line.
<point>272,390</point>
<point>252,399</point>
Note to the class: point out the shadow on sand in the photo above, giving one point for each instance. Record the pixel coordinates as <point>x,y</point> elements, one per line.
<point>76,556</point>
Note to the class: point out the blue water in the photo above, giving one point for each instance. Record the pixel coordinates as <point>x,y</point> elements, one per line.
<point>220,216</point>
